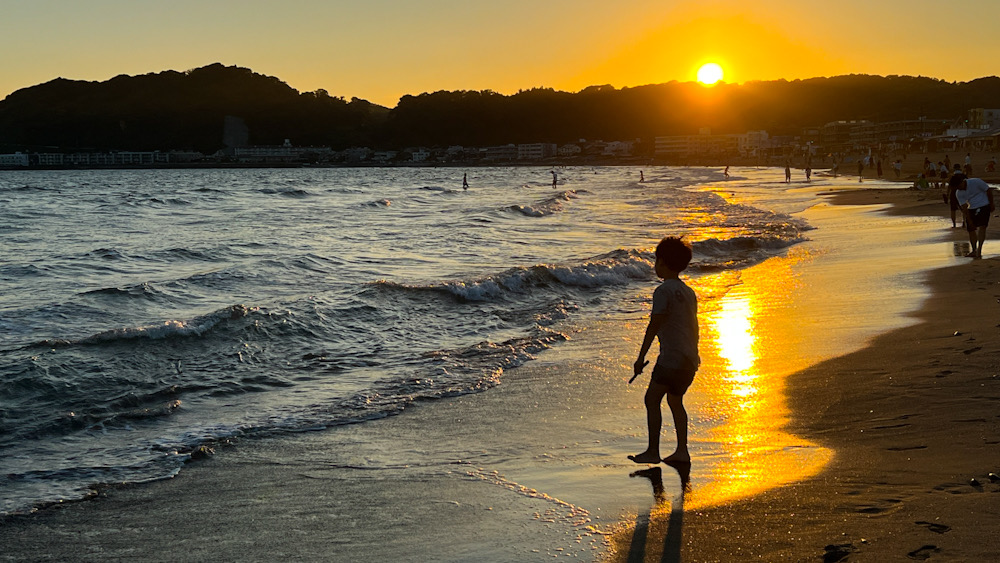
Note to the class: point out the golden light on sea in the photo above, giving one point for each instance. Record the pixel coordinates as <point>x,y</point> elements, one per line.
<point>744,375</point>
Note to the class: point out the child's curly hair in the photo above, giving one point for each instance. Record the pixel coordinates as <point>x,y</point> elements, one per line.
<point>675,253</point>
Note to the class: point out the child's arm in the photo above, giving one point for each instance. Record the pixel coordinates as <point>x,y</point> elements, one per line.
<point>655,322</point>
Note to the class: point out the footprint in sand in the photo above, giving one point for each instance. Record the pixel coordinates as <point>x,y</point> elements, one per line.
<point>839,552</point>
<point>882,507</point>
<point>971,350</point>
<point>936,528</point>
<point>923,553</point>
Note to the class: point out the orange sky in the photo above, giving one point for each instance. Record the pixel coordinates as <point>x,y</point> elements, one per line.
<point>382,49</point>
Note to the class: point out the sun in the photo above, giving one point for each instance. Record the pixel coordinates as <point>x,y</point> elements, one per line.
<point>709,74</point>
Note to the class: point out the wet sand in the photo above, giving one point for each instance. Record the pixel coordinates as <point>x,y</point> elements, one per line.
<point>874,450</point>
<point>914,421</point>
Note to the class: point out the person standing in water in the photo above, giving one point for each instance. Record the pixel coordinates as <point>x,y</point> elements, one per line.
<point>554,178</point>
<point>674,322</point>
<point>465,181</point>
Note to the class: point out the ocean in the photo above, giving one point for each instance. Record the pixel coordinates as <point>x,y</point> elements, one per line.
<point>148,314</point>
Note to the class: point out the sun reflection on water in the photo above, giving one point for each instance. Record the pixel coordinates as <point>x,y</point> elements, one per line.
<point>749,347</point>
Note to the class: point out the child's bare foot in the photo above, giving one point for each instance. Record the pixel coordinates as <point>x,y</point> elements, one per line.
<point>678,457</point>
<point>646,457</point>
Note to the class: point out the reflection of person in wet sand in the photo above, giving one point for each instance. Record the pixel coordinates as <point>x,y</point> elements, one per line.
<point>675,524</point>
<point>674,322</point>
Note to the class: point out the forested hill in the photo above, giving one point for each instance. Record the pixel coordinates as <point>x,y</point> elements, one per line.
<point>180,110</point>
<point>186,110</point>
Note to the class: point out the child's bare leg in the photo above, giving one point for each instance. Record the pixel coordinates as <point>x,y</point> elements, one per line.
<point>654,421</point>
<point>676,404</point>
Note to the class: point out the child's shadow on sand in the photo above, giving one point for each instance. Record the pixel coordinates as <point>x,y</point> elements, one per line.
<point>672,538</point>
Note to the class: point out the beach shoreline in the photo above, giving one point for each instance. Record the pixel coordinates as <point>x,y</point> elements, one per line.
<point>495,457</point>
<point>913,420</point>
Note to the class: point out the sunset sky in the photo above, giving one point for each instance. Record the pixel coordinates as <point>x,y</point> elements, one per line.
<point>380,50</point>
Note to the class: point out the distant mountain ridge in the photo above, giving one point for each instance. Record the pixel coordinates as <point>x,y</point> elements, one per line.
<point>179,110</point>
<point>186,110</point>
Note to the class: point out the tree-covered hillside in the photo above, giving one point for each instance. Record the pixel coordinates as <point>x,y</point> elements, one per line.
<point>186,110</point>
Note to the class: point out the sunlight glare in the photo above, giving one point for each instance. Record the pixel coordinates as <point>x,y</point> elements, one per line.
<point>709,73</point>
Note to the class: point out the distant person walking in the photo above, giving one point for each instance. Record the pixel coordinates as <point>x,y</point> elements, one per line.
<point>897,167</point>
<point>951,198</point>
<point>555,178</point>
<point>642,178</point>
<point>861,170</point>
<point>465,181</point>
<point>725,173</point>
<point>968,164</point>
<point>976,198</point>
<point>809,173</point>
<point>788,173</point>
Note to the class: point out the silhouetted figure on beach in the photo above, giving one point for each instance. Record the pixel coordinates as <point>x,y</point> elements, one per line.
<point>951,198</point>
<point>674,322</point>
<point>555,178</point>
<point>641,177</point>
<point>809,173</point>
<point>976,199</point>
<point>465,181</point>
<point>726,173</point>
<point>788,173</point>
<point>861,170</point>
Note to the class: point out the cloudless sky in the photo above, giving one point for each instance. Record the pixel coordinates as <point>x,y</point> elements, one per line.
<point>380,50</point>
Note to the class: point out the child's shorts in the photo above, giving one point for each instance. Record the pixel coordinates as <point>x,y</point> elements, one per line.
<point>676,380</point>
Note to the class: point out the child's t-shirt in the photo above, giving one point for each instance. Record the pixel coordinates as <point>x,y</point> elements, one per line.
<point>678,334</point>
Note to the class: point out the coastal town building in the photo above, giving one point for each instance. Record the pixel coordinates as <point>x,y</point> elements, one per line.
<point>500,153</point>
<point>618,148</point>
<point>704,144</point>
<point>280,153</point>
<point>569,150</point>
<point>384,156</point>
<point>17,159</point>
<point>535,151</point>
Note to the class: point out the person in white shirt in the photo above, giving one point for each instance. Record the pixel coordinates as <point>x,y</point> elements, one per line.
<point>976,199</point>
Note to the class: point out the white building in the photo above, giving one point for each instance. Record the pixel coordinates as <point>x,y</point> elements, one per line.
<point>534,151</point>
<point>618,148</point>
<point>12,160</point>
<point>569,150</point>
<point>751,142</point>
